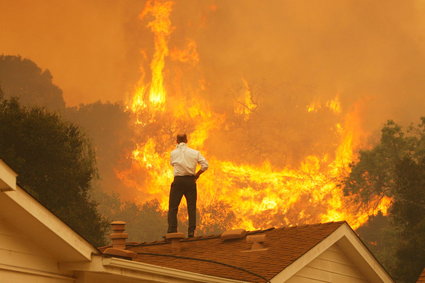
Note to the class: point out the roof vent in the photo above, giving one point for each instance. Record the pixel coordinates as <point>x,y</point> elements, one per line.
<point>118,237</point>
<point>175,240</point>
<point>257,242</point>
<point>233,234</point>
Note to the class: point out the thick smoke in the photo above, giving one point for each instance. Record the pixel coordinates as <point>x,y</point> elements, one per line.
<point>291,53</point>
<point>303,50</point>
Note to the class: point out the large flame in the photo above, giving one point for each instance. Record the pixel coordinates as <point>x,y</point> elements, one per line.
<point>256,195</point>
<point>161,28</point>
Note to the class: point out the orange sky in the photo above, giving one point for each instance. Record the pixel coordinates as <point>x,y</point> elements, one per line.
<point>81,42</point>
<point>360,49</point>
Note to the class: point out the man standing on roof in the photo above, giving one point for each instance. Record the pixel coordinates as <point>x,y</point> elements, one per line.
<point>184,160</point>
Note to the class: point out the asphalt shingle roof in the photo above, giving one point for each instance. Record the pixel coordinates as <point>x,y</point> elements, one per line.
<point>229,259</point>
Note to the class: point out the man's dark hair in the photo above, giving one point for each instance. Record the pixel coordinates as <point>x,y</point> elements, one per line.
<point>181,138</point>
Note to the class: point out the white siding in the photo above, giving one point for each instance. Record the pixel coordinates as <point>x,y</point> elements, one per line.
<point>22,261</point>
<point>331,266</point>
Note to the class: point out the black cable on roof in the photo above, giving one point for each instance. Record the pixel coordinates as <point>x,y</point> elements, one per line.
<point>210,261</point>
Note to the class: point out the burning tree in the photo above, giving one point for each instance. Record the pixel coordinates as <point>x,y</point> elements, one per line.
<point>244,179</point>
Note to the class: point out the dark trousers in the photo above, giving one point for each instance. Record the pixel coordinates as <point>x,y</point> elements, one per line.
<point>182,186</point>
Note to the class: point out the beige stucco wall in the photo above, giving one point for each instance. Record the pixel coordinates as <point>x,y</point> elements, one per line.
<point>331,266</point>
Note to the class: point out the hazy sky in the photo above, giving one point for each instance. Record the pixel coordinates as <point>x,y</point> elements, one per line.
<point>292,51</point>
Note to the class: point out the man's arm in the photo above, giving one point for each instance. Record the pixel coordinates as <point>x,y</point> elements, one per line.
<point>204,165</point>
<point>174,156</point>
<point>200,171</point>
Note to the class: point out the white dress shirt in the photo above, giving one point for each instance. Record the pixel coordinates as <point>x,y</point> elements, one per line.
<point>184,160</point>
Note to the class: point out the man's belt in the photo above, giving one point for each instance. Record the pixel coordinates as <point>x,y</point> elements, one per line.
<point>185,176</point>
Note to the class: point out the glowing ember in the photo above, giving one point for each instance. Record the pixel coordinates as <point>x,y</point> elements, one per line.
<point>258,195</point>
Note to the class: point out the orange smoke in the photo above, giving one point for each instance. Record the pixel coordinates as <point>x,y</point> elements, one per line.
<point>258,195</point>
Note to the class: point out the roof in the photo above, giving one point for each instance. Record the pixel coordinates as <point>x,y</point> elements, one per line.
<point>421,278</point>
<point>212,256</point>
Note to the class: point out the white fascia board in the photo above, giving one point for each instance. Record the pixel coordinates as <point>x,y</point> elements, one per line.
<point>351,244</point>
<point>7,178</point>
<point>164,271</point>
<point>142,271</point>
<point>71,245</point>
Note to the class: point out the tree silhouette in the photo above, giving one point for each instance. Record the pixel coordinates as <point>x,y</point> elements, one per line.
<point>22,78</point>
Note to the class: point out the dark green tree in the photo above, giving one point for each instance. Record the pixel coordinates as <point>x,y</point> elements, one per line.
<point>55,163</point>
<point>395,167</point>
<point>408,212</point>
<point>24,79</point>
<point>380,235</point>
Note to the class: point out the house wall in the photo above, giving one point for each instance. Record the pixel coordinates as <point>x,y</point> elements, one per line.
<point>92,277</point>
<point>331,266</point>
<point>22,261</point>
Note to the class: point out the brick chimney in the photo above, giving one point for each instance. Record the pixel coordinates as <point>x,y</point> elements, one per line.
<point>118,238</point>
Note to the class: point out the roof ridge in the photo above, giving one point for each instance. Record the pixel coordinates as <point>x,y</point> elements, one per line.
<point>312,225</point>
<point>216,236</point>
<point>198,238</point>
